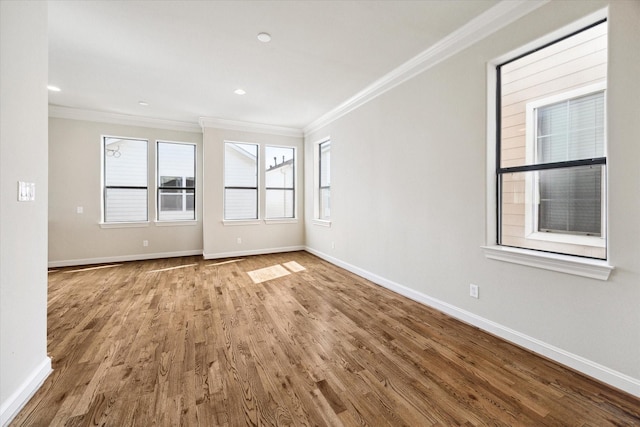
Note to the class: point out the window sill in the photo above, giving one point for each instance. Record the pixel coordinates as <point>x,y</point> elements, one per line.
<point>234,222</point>
<point>596,242</point>
<point>124,224</point>
<point>585,267</point>
<point>188,222</point>
<point>281,221</point>
<point>321,222</point>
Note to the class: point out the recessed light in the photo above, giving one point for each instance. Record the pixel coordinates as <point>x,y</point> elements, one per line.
<point>239,92</point>
<point>53,88</point>
<point>143,103</point>
<point>264,37</point>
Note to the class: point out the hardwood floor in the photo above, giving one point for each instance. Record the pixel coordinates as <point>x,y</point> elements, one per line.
<point>190,342</point>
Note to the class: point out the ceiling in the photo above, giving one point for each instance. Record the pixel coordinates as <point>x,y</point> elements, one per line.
<point>186,58</point>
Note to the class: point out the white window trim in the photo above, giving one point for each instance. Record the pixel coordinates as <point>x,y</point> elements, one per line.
<point>321,222</point>
<point>235,222</point>
<point>585,267</point>
<point>175,223</point>
<point>140,224</point>
<point>531,189</point>
<point>271,221</point>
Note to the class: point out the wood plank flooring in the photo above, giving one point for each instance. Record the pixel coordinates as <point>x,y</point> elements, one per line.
<point>191,342</point>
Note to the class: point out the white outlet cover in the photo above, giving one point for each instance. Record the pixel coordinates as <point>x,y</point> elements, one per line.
<point>474,291</point>
<point>26,191</point>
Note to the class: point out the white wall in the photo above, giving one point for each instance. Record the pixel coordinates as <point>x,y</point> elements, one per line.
<point>221,240</point>
<point>75,180</point>
<point>409,203</point>
<point>23,225</point>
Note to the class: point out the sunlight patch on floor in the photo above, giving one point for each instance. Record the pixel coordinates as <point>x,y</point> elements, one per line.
<point>171,268</point>
<point>224,262</point>
<point>93,268</point>
<point>268,273</point>
<point>293,266</point>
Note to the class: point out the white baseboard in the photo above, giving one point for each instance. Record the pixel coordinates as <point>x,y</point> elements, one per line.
<point>122,258</point>
<point>595,370</point>
<point>10,408</point>
<point>253,252</point>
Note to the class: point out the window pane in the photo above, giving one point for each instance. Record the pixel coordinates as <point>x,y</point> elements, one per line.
<point>125,162</point>
<point>125,205</point>
<point>325,203</point>
<point>553,84</point>
<point>240,165</point>
<point>176,205</point>
<point>240,204</point>
<point>280,203</point>
<point>176,164</point>
<point>325,164</point>
<point>571,200</point>
<point>539,209</point>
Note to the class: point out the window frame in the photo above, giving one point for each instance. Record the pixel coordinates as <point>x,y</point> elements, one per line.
<point>293,185</point>
<point>597,269</point>
<point>105,187</point>
<point>184,188</point>
<point>533,167</point>
<point>256,219</point>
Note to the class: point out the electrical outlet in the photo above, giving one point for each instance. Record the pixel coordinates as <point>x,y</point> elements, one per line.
<point>474,291</point>
<point>239,240</point>
<point>145,243</point>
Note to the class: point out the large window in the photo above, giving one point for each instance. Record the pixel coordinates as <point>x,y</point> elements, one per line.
<point>240,181</point>
<point>280,182</point>
<point>324,180</point>
<point>125,179</point>
<point>551,153</point>
<point>176,181</point>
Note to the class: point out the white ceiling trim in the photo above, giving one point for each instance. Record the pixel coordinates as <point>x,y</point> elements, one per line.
<point>60,112</point>
<point>212,122</point>
<point>499,16</point>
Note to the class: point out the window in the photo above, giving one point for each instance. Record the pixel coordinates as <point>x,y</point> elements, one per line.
<point>176,181</point>
<point>280,182</point>
<point>551,156</point>
<point>125,180</point>
<point>324,180</point>
<point>240,181</point>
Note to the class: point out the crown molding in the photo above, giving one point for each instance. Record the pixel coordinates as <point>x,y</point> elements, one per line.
<point>480,27</point>
<point>61,112</point>
<point>217,123</point>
